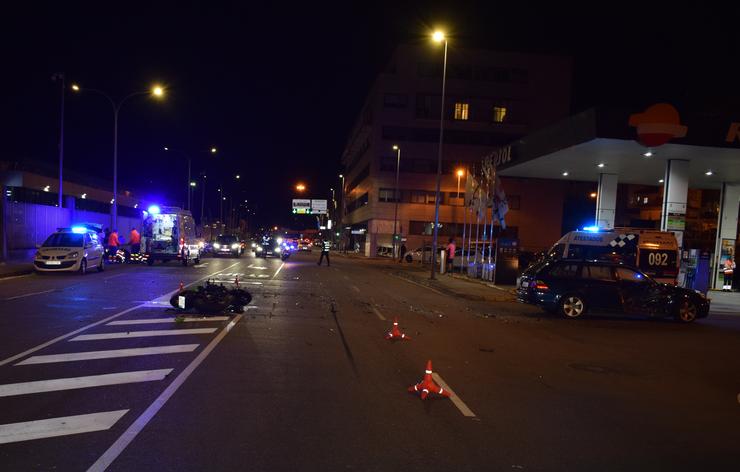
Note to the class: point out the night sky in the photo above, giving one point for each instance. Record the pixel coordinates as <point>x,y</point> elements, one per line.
<point>277,88</point>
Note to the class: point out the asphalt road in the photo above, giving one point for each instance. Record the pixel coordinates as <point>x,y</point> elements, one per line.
<point>304,380</point>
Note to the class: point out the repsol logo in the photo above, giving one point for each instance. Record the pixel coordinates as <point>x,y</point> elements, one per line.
<point>501,156</point>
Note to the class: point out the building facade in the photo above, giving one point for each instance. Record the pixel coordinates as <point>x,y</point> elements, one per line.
<point>491,100</point>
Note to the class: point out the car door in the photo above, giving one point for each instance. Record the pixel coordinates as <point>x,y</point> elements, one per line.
<point>636,290</point>
<point>602,289</point>
<point>89,249</point>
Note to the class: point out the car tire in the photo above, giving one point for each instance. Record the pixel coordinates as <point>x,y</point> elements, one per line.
<point>101,266</point>
<point>197,260</point>
<point>572,306</point>
<point>409,259</point>
<point>83,267</point>
<point>686,312</point>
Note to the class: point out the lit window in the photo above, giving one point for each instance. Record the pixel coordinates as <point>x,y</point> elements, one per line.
<point>499,114</point>
<point>461,111</point>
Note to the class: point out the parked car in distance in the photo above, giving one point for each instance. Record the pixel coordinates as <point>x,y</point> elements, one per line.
<point>227,245</point>
<point>574,288</point>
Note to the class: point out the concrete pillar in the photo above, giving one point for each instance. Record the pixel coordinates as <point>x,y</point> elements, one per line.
<point>729,203</point>
<point>675,195</point>
<point>606,201</point>
<point>70,202</point>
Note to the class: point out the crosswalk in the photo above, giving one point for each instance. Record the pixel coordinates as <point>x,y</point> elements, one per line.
<point>120,345</point>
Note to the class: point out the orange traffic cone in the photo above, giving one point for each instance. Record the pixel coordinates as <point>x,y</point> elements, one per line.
<point>395,333</point>
<point>427,385</point>
<point>182,287</point>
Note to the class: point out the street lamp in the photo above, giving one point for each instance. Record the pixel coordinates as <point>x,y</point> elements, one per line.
<point>396,196</point>
<point>300,187</point>
<point>156,91</point>
<point>59,76</point>
<point>459,173</point>
<point>439,37</point>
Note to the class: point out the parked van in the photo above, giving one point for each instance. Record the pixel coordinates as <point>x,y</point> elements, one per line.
<point>169,234</point>
<point>654,252</point>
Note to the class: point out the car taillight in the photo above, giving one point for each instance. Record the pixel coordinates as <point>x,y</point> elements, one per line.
<point>541,286</point>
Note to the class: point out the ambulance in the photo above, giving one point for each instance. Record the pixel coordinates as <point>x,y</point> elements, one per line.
<point>655,253</point>
<point>169,234</point>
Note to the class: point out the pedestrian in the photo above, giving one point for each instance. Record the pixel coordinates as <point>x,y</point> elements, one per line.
<point>402,252</point>
<point>325,246</point>
<point>729,271</point>
<point>113,244</point>
<point>106,236</point>
<point>451,254</point>
<point>135,240</point>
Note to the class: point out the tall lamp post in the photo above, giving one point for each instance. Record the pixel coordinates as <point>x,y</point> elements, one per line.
<point>190,183</point>
<point>156,91</point>
<point>439,37</point>
<point>396,196</point>
<point>59,76</point>
<point>459,174</point>
<point>341,216</point>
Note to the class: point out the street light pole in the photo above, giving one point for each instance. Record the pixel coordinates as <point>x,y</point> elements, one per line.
<point>203,200</point>
<point>396,197</point>
<point>60,76</point>
<point>438,36</point>
<point>457,196</point>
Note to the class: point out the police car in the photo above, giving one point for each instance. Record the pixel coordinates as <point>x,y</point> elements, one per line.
<point>73,249</point>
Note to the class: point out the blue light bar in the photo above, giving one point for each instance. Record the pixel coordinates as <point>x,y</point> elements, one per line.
<point>592,229</point>
<point>154,209</point>
<point>79,229</point>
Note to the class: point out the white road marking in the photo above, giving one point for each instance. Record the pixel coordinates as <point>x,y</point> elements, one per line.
<point>114,276</point>
<point>418,284</point>
<point>125,439</point>
<point>29,294</point>
<point>73,383</point>
<point>142,334</point>
<point>110,354</point>
<point>279,269</point>
<point>377,312</point>
<point>355,288</point>
<point>457,401</point>
<point>14,277</point>
<point>61,426</point>
<point>105,320</point>
<point>186,319</point>
<point>251,266</point>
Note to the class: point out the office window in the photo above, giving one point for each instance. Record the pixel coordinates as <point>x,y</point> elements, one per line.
<point>386,195</point>
<point>461,111</point>
<point>418,197</point>
<point>499,114</point>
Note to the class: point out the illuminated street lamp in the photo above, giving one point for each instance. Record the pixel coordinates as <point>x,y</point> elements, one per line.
<point>156,91</point>
<point>439,37</point>
<point>459,173</point>
<point>300,187</point>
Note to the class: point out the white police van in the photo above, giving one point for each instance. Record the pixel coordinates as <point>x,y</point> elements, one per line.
<point>73,249</point>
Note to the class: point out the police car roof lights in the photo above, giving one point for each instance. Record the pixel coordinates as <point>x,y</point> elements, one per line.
<point>154,209</point>
<point>591,229</point>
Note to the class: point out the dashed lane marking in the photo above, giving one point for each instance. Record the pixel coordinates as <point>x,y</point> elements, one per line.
<point>142,334</point>
<point>418,284</point>
<point>377,312</point>
<point>279,269</point>
<point>125,439</point>
<point>73,383</point>
<point>109,354</point>
<point>166,320</point>
<point>2,279</point>
<point>29,294</point>
<point>61,426</point>
<point>457,401</point>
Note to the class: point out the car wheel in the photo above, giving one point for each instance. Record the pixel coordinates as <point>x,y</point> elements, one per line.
<point>572,306</point>
<point>83,267</point>
<point>197,260</point>
<point>686,311</point>
<point>101,266</point>
<point>409,259</point>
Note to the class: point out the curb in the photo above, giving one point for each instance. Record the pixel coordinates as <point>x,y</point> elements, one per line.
<point>447,291</point>
<point>16,273</point>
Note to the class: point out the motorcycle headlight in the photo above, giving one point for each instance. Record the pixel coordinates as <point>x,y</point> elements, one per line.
<point>259,248</point>
<point>73,255</point>
<point>235,246</point>
<point>277,249</point>
<point>217,245</point>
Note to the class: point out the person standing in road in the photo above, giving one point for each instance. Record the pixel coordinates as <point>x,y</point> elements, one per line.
<point>325,246</point>
<point>451,255</point>
<point>113,244</point>
<point>402,252</point>
<point>135,240</point>
<point>729,271</point>
<point>106,237</point>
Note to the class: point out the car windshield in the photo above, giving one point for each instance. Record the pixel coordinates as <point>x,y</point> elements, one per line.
<point>226,239</point>
<point>63,240</point>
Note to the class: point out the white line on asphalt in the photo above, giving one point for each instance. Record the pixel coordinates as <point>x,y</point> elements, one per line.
<point>110,354</point>
<point>2,279</point>
<point>142,334</point>
<point>125,439</point>
<point>377,312</point>
<point>105,320</point>
<point>29,294</point>
<point>72,383</point>
<point>457,401</point>
<point>417,283</point>
<point>279,269</point>
<point>61,426</point>
<point>114,276</point>
<point>167,320</point>
<point>355,288</point>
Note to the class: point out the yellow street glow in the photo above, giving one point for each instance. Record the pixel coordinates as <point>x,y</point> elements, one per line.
<point>158,91</point>
<point>460,172</point>
<point>213,150</point>
<point>300,187</point>
<point>395,148</point>
<point>438,36</point>
<point>75,87</point>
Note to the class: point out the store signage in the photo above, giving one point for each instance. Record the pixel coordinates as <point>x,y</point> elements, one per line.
<point>733,134</point>
<point>501,156</point>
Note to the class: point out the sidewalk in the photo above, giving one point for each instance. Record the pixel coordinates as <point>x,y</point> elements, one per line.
<point>20,262</point>
<point>724,303</point>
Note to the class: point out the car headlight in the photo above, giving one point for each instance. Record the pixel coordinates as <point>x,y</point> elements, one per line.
<point>280,240</point>
<point>277,249</point>
<point>73,255</point>
<point>235,246</point>
<point>259,248</point>
<point>216,245</point>
<point>254,245</point>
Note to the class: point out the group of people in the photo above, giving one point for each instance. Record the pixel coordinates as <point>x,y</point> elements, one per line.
<point>450,249</point>
<point>112,242</point>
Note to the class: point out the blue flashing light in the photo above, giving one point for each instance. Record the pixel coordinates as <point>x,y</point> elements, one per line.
<point>154,209</point>
<point>592,229</point>
<point>79,229</point>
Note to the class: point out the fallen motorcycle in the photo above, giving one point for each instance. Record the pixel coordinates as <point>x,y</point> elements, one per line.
<point>211,298</point>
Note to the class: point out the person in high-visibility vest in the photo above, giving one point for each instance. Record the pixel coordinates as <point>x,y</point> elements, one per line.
<point>135,240</point>
<point>113,244</point>
<point>728,268</point>
<point>325,246</point>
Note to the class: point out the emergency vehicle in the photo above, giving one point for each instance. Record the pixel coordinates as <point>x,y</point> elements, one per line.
<point>654,252</point>
<point>168,233</point>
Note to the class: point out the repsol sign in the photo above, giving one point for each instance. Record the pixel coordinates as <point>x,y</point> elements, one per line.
<point>501,156</point>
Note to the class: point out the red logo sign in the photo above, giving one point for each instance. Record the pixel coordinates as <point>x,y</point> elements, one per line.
<point>657,125</point>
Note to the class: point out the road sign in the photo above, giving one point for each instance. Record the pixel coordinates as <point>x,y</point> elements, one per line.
<point>301,206</point>
<point>318,207</point>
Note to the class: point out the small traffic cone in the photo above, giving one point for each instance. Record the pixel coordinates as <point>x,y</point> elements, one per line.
<point>395,333</point>
<point>182,287</point>
<point>428,386</point>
